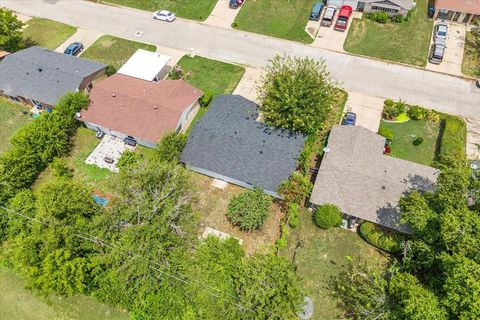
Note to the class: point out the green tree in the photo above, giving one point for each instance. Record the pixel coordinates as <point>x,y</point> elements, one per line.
<point>296,93</point>
<point>171,146</point>
<point>327,216</point>
<point>11,38</point>
<point>249,209</point>
<point>295,188</point>
<point>127,159</point>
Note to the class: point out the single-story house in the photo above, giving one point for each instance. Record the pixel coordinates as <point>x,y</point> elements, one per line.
<point>364,183</point>
<point>145,65</point>
<point>38,76</point>
<point>392,7</point>
<point>123,106</point>
<point>228,143</point>
<point>463,11</point>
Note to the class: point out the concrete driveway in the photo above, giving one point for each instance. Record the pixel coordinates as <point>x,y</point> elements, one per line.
<point>452,62</point>
<point>247,87</point>
<point>86,37</point>
<point>368,109</point>
<point>328,38</point>
<point>222,16</point>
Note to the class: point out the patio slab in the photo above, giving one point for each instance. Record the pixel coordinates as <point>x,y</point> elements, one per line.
<point>217,233</point>
<point>111,147</point>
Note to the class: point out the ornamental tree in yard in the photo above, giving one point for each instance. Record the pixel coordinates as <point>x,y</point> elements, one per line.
<point>249,209</point>
<point>296,93</point>
<point>11,38</point>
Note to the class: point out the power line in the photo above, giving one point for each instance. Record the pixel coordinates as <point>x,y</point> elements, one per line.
<point>101,242</point>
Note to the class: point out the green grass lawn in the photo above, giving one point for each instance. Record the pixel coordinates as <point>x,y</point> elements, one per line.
<point>210,75</point>
<point>406,42</point>
<point>404,134</point>
<point>114,51</point>
<point>11,119</point>
<point>188,9</point>
<point>318,259</point>
<point>17,303</point>
<point>47,33</point>
<point>471,57</point>
<point>284,19</point>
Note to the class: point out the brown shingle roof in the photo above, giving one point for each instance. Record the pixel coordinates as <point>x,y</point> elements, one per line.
<point>356,177</point>
<point>466,6</point>
<point>142,109</point>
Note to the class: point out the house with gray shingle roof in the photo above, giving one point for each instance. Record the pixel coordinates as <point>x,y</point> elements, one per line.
<point>364,183</point>
<point>39,76</point>
<point>228,143</point>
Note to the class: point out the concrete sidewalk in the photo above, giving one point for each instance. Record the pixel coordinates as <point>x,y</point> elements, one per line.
<point>222,16</point>
<point>473,139</point>
<point>247,87</point>
<point>86,37</point>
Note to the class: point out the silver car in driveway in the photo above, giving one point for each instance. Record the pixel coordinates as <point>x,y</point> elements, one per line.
<point>437,52</point>
<point>440,32</point>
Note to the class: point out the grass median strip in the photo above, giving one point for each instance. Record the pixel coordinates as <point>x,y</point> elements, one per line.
<point>47,33</point>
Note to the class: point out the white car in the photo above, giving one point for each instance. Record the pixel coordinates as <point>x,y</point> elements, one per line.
<point>440,32</point>
<point>164,15</point>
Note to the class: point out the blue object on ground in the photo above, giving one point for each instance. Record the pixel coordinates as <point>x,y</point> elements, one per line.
<point>49,110</point>
<point>35,115</point>
<point>100,200</point>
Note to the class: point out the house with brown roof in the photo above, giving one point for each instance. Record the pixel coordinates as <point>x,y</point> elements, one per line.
<point>362,182</point>
<point>144,111</point>
<point>463,11</point>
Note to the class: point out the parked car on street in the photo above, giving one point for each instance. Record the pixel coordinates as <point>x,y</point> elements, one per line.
<point>437,52</point>
<point>164,15</point>
<point>349,119</point>
<point>343,16</point>
<point>328,16</point>
<point>316,11</point>
<point>440,32</point>
<point>74,48</point>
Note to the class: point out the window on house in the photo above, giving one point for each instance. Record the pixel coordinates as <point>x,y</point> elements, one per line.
<point>384,9</point>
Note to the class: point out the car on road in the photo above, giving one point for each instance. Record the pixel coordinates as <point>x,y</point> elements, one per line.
<point>343,17</point>
<point>328,16</point>
<point>437,52</point>
<point>164,15</point>
<point>440,32</point>
<point>349,119</point>
<point>316,11</point>
<point>74,49</point>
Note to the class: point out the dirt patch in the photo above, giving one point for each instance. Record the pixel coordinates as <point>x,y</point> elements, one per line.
<point>107,43</point>
<point>212,204</point>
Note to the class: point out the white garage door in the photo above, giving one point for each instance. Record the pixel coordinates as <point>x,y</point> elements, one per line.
<point>340,3</point>
<point>336,3</point>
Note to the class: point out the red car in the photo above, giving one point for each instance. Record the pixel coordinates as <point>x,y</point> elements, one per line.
<point>343,16</point>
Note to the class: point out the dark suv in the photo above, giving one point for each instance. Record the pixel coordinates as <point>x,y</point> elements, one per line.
<point>316,11</point>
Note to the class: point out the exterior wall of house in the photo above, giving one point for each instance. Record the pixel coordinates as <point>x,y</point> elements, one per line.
<point>90,78</point>
<point>187,117</point>
<point>25,101</point>
<point>455,16</point>
<point>391,9</point>
<point>120,135</point>
<point>229,180</point>
<point>339,3</point>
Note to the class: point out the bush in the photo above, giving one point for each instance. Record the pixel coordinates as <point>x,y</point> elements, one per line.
<point>380,17</point>
<point>234,24</point>
<point>110,71</point>
<point>249,209</point>
<point>389,102</point>
<point>386,133</point>
<point>206,99</point>
<point>171,146</point>
<point>387,240</point>
<point>293,215</point>
<point>454,136</point>
<point>295,188</point>
<point>60,169</point>
<point>390,112</point>
<point>282,242</point>
<point>418,141</point>
<point>327,216</point>
<point>416,113</point>
<point>127,159</point>
<point>398,19</point>
<point>401,107</point>
<point>432,116</point>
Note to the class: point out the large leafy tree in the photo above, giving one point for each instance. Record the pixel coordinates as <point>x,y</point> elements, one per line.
<point>296,93</point>
<point>11,38</point>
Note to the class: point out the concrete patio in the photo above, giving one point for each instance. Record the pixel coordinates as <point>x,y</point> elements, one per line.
<point>110,147</point>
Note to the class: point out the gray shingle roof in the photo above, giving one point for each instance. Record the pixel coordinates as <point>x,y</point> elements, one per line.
<point>43,75</point>
<point>229,141</point>
<point>364,183</point>
<point>406,4</point>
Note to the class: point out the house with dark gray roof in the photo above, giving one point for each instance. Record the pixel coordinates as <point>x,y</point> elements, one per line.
<point>39,76</point>
<point>364,183</point>
<point>228,143</point>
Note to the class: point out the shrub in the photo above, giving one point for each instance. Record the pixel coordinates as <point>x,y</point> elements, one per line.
<point>418,141</point>
<point>389,102</point>
<point>398,19</point>
<point>249,209</point>
<point>282,242</point>
<point>453,141</point>
<point>432,116</point>
<point>60,169</point>
<point>303,161</point>
<point>387,240</point>
<point>380,17</point>
<point>110,71</point>
<point>401,107</point>
<point>386,133</point>
<point>416,113</point>
<point>171,146</point>
<point>390,112</point>
<point>206,99</point>
<point>234,24</point>
<point>327,216</point>
<point>295,188</point>
<point>293,215</point>
<point>127,159</point>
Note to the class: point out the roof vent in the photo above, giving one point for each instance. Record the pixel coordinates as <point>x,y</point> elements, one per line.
<point>144,91</point>
<point>261,152</point>
<point>113,95</point>
<point>40,69</point>
<point>155,107</point>
<point>383,187</point>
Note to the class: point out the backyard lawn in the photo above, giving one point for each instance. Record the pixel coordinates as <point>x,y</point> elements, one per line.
<point>404,134</point>
<point>188,9</point>
<point>114,51</point>
<point>319,257</point>
<point>47,33</point>
<point>406,42</point>
<point>11,119</point>
<point>278,18</point>
<point>471,57</point>
<point>210,75</point>
<point>16,302</point>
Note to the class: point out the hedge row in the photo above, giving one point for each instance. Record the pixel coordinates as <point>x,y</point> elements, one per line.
<point>38,143</point>
<point>454,138</point>
<point>387,240</point>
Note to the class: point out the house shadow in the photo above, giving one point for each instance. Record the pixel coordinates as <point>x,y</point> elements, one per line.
<point>415,182</point>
